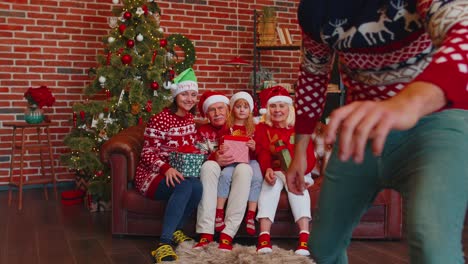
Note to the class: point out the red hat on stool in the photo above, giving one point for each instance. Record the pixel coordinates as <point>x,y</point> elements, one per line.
<point>208,98</point>
<point>272,95</point>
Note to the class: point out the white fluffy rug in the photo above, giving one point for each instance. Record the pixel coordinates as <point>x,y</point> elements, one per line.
<point>239,255</point>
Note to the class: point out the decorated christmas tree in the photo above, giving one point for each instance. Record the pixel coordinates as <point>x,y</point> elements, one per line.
<point>130,83</point>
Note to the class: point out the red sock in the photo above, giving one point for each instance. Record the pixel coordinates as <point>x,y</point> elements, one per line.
<point>225,242</point>
<point>302,247</point>
<point>250,222</point>
<point>205,239</point>
<point>264,243</point>
<point>219,220</point>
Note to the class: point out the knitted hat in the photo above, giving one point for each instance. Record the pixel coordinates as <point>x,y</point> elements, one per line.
<point>185,81</point>
<point>272,95</point>
<point>242,95</point>
<point>208,98</point>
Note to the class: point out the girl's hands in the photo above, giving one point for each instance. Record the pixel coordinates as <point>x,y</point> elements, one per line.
<point>251,144</point>
<point>173,176</point>
<point>270,176</point>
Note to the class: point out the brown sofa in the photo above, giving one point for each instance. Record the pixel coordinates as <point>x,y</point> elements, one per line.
<point>133,214</point>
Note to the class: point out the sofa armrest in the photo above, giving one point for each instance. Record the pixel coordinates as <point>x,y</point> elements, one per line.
<point>128,143</point>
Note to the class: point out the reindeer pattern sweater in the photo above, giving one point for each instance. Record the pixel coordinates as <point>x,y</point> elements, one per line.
<point>381,45</point>
<point>164,133</point>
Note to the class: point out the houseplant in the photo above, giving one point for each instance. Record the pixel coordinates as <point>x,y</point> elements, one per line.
<point>262,75</point>
<point>37,99</point>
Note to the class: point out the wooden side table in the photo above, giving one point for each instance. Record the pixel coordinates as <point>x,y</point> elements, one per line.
<point>35,143</point>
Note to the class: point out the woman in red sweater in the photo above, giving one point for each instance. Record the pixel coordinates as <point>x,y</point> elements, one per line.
<point>275,145</point>
<point>156,178</point>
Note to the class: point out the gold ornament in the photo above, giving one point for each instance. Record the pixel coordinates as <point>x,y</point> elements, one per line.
<point>135,108</point>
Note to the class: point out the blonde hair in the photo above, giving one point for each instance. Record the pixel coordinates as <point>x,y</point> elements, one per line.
<point>290,120</point>
<point>249,122</point>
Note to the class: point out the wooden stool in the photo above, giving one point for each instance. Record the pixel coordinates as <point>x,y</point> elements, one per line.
<point>23,147</point>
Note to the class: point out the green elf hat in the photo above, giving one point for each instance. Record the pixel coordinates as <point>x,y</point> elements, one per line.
<point>185,81</point>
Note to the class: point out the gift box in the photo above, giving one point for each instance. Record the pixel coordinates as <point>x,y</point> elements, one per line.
<point>187,160</point>
<point>237,148</point>
<point>284,154</point>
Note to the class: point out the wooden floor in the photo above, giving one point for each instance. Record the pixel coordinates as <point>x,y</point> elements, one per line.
<point>45,232</point>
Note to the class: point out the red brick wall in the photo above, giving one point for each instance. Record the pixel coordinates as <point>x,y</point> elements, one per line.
<point>54,42</point>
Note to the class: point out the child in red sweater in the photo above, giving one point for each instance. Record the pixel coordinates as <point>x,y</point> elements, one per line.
<point>240,123</point>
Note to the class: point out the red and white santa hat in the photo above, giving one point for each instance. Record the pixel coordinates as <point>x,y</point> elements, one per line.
<point>242,95</point>
<point>208,98</point>
<point>272,95</point>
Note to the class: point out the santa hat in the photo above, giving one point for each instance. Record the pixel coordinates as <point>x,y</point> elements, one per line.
<point>208,98</point>
<point>185,81</point>
<point>272,95</point>
<point>242,95</point>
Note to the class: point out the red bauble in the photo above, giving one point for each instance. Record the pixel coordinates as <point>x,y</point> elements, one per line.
<point>154,85</point>
<point>82,115</point>
<point>130,43</point>
<point>163,43</point>
<point>126,59</point>
<point>127,15</point>
<point>171,74</point>
<point>122,28</point>
<point>145,9</point>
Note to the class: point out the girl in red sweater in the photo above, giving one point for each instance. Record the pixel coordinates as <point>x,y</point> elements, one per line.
<point>240,123</point>
<point>157,179</point>
<point>275,145</point>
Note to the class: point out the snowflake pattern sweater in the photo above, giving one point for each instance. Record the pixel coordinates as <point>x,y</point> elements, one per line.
<point>381,46</point>
<point>164,133</point>
<point>268,154</point>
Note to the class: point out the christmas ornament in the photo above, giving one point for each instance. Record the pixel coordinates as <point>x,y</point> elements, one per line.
<point>157,18</point>
<point>163,43</point>
<point>149,106</point>
<point>74,119</point>
<point>154,56</point>
<point>113,22</point>
<point>140,11</point>
<point>171,74</point>
<point>140,120</point>
<point>108,57</point>
<point>130,43</point>
<point>102,79</point>
<point>122,28</point>
<point>126,59</point>
<point>108,94</point>
<point>154,85</point>
<point>82,115</point>
<point>167,85</point>
<point>127,15</point>
<point>110,39</point>
<point>135,109</point>
<point>139,37</point>
<point>115,2</point>
<point>145,9</point>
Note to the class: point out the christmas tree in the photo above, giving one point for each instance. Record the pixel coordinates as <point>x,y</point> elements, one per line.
<point>130,84</point>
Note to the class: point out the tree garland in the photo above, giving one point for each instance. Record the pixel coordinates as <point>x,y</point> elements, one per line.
<point>187,46</point>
